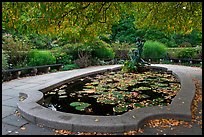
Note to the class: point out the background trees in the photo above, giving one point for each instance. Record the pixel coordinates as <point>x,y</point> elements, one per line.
<point>81,20</point>
<point>84,25</point>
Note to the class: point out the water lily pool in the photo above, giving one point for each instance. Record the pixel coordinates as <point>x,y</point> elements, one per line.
<point>113,93</point>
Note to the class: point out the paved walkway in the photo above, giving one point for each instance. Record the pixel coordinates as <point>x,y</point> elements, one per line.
<point>13,124</point>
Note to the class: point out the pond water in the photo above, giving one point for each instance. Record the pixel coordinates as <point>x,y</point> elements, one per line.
<point>113,93</point>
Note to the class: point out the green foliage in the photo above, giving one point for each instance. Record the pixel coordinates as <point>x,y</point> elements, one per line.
<point>124,30</point>
<point>194,38</point>
<point>82,20</point>
<point>154,50</point>
<point>61,56</point>
<point>104,53</point>
<point>93,49</point>
<point>186,53</point>
<point>4,60</point>
<point>122,46</point>
<point>101,50</point>
<point>169,16</point>
<point>38,57</point>
<point>81,106</point>
<point>157,35</point>
<point>193,53</point>
<point>69,67</point>
<point>17,50</point>
<point>185,44</point>
<point>121,50</point>
<point>40,41</point>
<point>129,66</point>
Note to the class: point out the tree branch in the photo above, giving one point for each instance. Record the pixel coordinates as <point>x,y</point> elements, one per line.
<point>104,13</point>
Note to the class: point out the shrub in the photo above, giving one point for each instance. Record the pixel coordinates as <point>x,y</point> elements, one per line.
<point>41,41</point>
<point>195,53</point>
<point>104,53</point>
<point>4,60</point>
<point>83,61</point>
<point>154,50</point>
<point>37,58</point>
<point>16,49</point>
<point>88,50</point>
<point>101,50</point>
<point>122,46</point>
<point>186,53</point>
<point>121,50</point>
<point>61,56</point>
<point>69,67</point>
<point>185,44</point>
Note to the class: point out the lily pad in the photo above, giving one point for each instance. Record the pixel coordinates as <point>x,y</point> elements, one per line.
<point>120,108</point>
<point>95,83</point>
<point>89,86</point>
<point>88,91</point>
<point>138,105</point>
<point>162,85</point>
<point>106,101</point>
<point>80,105</point>
<point>94,96</point>
<point>141,88</point>
<point>143,96</point>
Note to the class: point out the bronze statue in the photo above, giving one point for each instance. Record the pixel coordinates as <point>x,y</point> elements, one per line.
<point>137,53</point>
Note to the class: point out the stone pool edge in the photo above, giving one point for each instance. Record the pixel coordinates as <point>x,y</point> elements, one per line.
<point>180,108</point>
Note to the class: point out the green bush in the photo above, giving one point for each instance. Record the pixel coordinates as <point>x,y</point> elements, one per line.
<point>154,50</point>
<point>185,44</point>
<point>16,49</point>
<point>4,60</point>
<point>186,53</point>
<point>101,50</point>
<point>121,50</point>
<point>69,67</point>
<point>38,57</point>
<point>195,53</point>
<point>61,56</point>
<point>93,49</point>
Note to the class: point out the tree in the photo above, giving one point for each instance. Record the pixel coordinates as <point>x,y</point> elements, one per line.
<point>124,30</point>
<point>170,16</point>
<point>84,20</point>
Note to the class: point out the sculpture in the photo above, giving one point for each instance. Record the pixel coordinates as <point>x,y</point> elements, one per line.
<point>137,53</point>
<point>136,62</point>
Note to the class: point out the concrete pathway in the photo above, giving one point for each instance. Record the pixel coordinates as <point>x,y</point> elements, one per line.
<point>13,124</point>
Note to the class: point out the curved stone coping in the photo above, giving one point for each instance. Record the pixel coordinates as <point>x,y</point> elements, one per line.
<point>180,108</point>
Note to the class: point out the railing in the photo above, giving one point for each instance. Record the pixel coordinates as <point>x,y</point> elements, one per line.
<point>31,71</point>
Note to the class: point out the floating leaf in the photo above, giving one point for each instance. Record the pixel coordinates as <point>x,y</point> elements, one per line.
<point>142,96</point>
<point>89,86</point>
<point>94,96</point>
<point>80,105</point>
<point>88,91</point>
<point>95,83</point>
<point>162,85</point>
<point>138,105</point>
<point>73,104</point>
<point>106,101</point>
<point>141,88</point>
<point>120,108</point>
